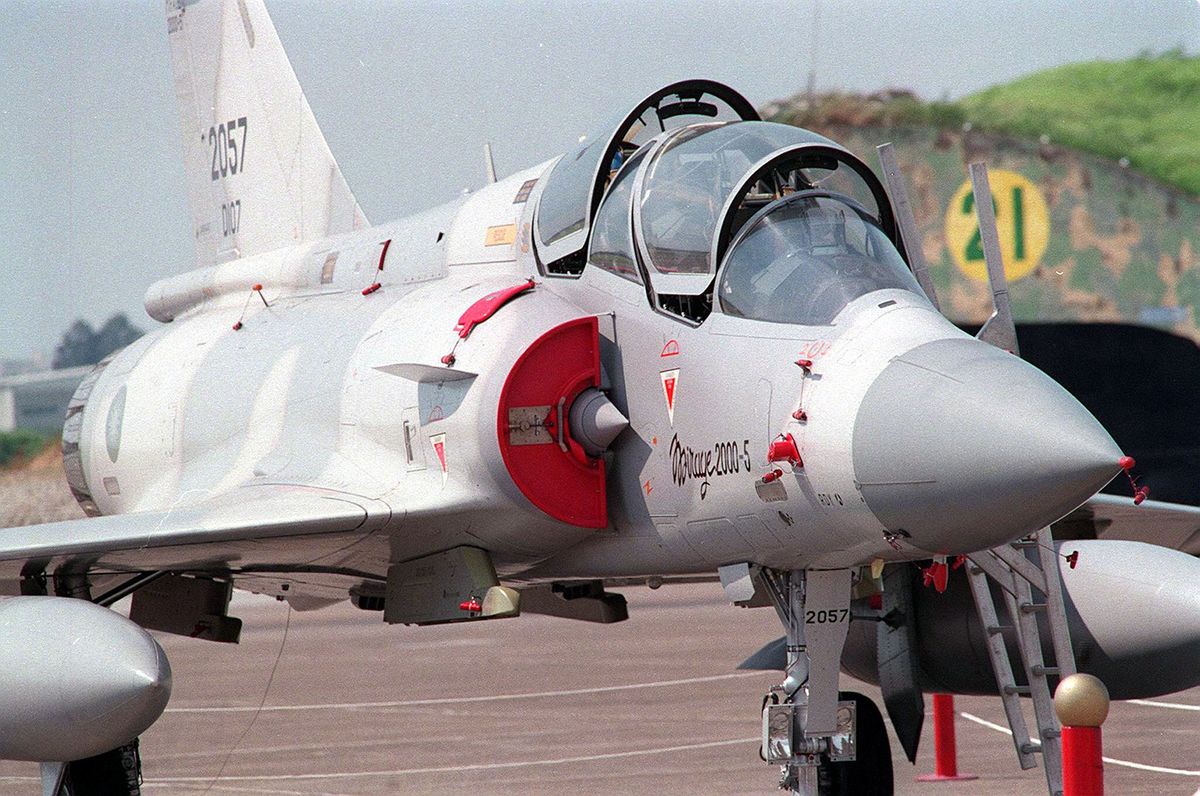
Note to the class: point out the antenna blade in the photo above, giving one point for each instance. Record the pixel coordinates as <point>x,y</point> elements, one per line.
<point>489,165</point>
<point>1000,329</point>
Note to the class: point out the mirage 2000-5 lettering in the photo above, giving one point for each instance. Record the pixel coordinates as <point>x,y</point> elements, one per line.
<point>697,345</point>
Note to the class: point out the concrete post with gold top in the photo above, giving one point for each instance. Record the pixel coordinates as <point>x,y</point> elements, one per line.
<point>1081,702</point>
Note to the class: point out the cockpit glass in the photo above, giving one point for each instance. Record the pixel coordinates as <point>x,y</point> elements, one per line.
<point>690,178</point>
<point>566,201</point>
<point>612,233</point>
<point>807,256</point>
<point>568,189</point>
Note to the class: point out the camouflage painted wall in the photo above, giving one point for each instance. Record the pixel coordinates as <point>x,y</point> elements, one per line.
<point>1121,246</point>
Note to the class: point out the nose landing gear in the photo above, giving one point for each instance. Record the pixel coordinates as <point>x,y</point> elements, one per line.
<point>827,742</point>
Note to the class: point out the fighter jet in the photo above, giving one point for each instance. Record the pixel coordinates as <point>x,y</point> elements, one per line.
<point>694,345</point>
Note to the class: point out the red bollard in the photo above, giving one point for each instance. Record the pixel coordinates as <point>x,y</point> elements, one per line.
<point>1081,702</point>
<point>945,746</point>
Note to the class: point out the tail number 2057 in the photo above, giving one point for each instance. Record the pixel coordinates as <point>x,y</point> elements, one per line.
<point>228,153</point>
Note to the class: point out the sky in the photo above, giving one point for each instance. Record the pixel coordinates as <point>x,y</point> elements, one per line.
<point>93,207</point>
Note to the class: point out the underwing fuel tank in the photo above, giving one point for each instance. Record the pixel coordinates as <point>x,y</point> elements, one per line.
<point>76,679</point>
<point>1133,611</point>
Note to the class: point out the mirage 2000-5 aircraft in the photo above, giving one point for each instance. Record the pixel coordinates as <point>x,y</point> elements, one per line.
<point>695,345</point>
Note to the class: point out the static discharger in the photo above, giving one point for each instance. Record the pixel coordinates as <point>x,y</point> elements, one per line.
<point>371,288</point>
<point>237,326</point>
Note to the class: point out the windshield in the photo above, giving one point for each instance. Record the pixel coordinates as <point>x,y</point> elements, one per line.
<point>690,178</point>
<point>563,207</point>
<point>807,256</point>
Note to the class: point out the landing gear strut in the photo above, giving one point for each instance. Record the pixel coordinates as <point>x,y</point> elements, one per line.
<point>826,742</point>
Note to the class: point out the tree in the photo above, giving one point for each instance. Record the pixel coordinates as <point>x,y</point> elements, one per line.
<point>116,333</point>
<point>81,345</point>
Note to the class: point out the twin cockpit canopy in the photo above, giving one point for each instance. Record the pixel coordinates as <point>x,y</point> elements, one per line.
<point>694,197</point>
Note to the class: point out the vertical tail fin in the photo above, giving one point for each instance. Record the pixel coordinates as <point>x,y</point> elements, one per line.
<point>260,175</point>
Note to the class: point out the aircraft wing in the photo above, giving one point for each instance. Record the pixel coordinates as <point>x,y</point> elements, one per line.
<point>277,526</point>
<point>1171,525</point>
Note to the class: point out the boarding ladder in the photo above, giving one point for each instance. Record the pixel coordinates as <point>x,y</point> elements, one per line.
<point>1027,565</point>
<point>1027,574</point>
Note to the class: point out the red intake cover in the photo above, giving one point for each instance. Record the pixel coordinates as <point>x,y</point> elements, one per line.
<point>532,424</point>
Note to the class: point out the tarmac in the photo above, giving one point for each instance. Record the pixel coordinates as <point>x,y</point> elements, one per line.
<point>535,704</point>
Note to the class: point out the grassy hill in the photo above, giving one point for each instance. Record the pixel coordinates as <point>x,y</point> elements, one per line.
<point>1145,109</point>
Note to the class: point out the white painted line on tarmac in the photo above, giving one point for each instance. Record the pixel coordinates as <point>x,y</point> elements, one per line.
<point>456,769</point>
<point>260,791</point>
<point>200,784</point>
<point>988,724</point>
<point>1172,705</point>
<point>1181,772</point>
<point>462,700</point>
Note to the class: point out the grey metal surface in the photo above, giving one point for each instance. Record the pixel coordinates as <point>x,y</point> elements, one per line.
<point>596,422</point>
<point>75,679</point>
<point>893,177</point>
<point>1133,612</point>
<point>1037,675</point>
<point>826,617</point>
<point>53,775</point>
<point>1006,687</point>
<point>1000,329</point>
<point>957,439</point>
<point>898,661</point>
<point>1056,607</point>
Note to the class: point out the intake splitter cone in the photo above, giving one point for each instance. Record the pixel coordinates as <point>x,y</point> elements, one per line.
<point>595,422</point>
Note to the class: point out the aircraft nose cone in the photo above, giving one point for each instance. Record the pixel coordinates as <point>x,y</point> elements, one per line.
<point>78,679</point>
<point>964,446</point>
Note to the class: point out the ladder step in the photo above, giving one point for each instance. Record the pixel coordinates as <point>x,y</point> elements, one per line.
<point>1045,670</point>
<point>1029,608</point>
<point>1023,543</point>
<point>1050,732</point>
<point>1031,748</point>
<point>1022,690</point>
<point>994,629</point>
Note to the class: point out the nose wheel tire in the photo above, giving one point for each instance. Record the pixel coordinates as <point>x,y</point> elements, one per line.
<point>871,773</point>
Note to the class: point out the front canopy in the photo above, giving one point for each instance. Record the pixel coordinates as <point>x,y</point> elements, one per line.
<point>805,257</point>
